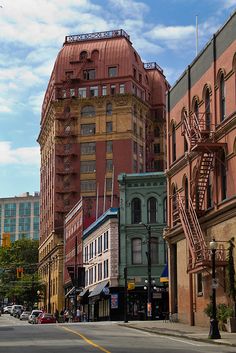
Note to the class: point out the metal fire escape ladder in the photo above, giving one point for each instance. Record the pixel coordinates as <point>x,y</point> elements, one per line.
<point>193,232</point>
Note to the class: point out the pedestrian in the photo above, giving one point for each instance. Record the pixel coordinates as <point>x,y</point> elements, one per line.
<point>66,315</point>
<point>56,314</point>
<point>78,315</point>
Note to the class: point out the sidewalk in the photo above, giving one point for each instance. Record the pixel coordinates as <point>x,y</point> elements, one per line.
<point>177,329</point>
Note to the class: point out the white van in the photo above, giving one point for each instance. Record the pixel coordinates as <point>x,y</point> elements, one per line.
<point>15,308</point>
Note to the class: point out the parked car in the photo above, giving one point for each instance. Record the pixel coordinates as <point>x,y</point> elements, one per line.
<point>15,309</point>
<point>33,316</point>
<point>46,318</point>
<point>7,309</point>
<point>25,315</point>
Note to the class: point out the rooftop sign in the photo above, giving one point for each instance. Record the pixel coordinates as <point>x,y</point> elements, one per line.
<point>96,35</point>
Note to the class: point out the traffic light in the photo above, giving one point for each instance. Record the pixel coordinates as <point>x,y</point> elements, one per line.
<point>6,240</point>
<point>19,272</point>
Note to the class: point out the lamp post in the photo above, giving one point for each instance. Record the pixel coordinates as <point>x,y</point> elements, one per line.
<point>214,329</point>
<point>149,280</point>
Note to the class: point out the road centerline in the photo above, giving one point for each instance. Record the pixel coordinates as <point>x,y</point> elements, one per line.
<point>92,343</point>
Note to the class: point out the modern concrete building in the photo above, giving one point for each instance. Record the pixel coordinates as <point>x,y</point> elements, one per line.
<point>19,216</point>
<point>201,171</point>
<point>143,200</point>
<point>103,113</point>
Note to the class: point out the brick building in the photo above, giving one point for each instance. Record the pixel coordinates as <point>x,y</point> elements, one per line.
<point>103,114</point>
<point>201,170</point>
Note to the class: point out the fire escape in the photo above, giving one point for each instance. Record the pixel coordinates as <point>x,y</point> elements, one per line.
<point>66,156</point>
<point>200,137</point>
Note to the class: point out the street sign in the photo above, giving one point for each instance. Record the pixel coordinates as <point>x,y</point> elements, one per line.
<point>215,283</point>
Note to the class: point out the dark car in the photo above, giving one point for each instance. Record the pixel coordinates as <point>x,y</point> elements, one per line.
<point>46,318</point>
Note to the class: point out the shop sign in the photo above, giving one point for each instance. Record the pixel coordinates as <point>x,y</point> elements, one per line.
<point>114,301</point>
<point>106,290</point>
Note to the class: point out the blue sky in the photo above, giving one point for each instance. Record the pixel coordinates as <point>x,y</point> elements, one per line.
<point>32,33</point>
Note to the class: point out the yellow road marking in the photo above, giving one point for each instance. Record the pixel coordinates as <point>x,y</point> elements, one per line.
<point>86,339</point>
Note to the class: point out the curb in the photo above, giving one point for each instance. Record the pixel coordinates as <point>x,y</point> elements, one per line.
<point>205,340</point>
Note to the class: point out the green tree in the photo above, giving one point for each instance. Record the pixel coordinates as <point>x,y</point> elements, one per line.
<point>22,253</point>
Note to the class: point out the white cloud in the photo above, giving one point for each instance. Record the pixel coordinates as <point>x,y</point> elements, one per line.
<point>130,8</point>
<point>35,101</point>
<point>171,33</point>
<point>23,155</point>
<point>229,3</point>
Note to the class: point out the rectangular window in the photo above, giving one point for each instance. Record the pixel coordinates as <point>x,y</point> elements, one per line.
<point>90,251</point>
<point>109,146</point>
<point>88,166</point>
<point>104,90</point>
<point>10,210</point>
<point>91,275</point>
<point>199,284</point>
<point>122,88</point>
<point>25,209</point>
<point>63,93</point>
<point>105,269</point>
<point>88,185</point>
<point>108,184</point>
<point>95,247</point>
<point>105,240</point>
<point>88,129</point>
<point>109,126</point>
<point>136,251</point>
<point>112,71</point>
<point>100,272</point>
<point>157,148</point>
<point>89,74</point>
<point>113,90</point>
<point>109,165</point>
<point>88,148</point>
<point>95,273</point>
<point>94,91</point>
<point>82,92</point>
<point>100,244</point>
<point>72,92</point>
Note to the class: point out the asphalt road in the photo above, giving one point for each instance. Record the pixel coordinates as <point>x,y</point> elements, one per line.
<point>108,337</point>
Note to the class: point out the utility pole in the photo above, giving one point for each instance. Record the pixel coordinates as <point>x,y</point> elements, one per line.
<point>125,295</point>
<point>149,304</point>
<point>49,285</point>
<point>76,274</point>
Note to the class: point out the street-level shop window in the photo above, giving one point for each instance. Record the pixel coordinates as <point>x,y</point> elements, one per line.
<point>199,284</point>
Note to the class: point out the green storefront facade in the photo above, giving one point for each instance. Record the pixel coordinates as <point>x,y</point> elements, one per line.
<point>143,206</point>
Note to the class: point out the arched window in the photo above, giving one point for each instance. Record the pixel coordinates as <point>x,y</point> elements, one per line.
<point>136,251</point>
<point>152,210</point>
<point>88,111</point>
<point>183,119</point>
<point>196,109</point>
<point>109,109</point>
<point>207,110</point>
<point>174,206</point>
<point>154,251</point>
<point>223,176</point>
<point>222,97</point>
<point>83,55</point>
<point>173,143</point>
<point>136,210</point>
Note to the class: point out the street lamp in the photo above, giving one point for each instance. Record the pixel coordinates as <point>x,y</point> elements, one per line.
<point>214,329</point>
<point>149,280</point>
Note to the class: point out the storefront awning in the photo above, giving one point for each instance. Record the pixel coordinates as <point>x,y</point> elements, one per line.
<point>71,292</point>
<point>165,275</point>
<point>98,289</point>
<point>83,293</point>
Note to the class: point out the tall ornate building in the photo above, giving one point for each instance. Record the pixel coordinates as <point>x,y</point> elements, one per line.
<point>103,114</point>
<point>201,170</point>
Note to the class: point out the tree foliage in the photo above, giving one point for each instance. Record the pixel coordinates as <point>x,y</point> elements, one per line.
<point>22,253</point>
